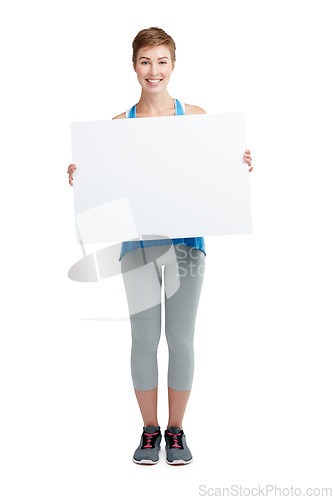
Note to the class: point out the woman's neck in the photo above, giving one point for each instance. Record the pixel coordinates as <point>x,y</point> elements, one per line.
<point>154,104</point>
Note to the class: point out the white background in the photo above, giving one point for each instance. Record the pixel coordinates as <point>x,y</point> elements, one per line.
<point>260,411</point>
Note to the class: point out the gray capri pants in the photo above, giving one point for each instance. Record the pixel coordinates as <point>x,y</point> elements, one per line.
<point>184,268</point>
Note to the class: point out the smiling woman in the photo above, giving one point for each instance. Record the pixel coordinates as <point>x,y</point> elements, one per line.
<point>154,58</point>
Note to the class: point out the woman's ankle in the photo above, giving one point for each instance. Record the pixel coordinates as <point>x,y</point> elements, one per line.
<point>173,424</point>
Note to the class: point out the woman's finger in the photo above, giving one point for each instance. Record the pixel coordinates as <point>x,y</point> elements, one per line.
<point>70,171</point>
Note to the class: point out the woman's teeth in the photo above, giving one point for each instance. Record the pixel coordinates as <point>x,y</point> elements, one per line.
<point>153,81</point>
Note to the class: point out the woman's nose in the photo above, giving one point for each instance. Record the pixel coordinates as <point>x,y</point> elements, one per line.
<point>153,70</point>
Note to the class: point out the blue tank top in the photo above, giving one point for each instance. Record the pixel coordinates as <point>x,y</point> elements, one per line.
<point>197,242</point>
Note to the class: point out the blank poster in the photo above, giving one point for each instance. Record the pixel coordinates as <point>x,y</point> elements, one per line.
<point>170,176</point>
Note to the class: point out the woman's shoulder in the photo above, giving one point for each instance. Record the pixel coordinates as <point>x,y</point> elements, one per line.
<point>190,109</point>
<point>122,115</point>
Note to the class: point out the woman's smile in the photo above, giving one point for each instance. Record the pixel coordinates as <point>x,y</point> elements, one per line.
<point>153,82</point>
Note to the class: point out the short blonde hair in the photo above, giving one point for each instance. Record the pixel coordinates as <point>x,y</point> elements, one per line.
<point>152,37</point>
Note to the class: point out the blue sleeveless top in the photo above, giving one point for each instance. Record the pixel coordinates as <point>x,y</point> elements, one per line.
<point>197,242</point>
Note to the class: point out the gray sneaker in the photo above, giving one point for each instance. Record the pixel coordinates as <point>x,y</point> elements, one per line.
<point>149,447</point>
<point>177,451</point>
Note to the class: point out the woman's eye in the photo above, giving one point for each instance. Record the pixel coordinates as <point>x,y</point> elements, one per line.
<point>144,62</point>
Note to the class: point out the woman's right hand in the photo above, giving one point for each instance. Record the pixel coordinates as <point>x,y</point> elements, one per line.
<point>70,171</point>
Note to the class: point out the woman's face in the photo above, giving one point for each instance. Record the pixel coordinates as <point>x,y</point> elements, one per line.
<point>154,63</point>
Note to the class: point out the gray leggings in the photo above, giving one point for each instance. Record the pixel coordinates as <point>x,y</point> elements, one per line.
<point>184,268</point>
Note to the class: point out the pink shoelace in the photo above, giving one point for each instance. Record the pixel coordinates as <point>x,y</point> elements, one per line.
<point>149,438</point>
<point>175,440</point>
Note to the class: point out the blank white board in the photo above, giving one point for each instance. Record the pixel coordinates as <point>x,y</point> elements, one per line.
<point>172,176</point>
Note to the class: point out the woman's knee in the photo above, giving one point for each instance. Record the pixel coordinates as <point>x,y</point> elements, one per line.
<point>145,341</point>
<point>180,338</point>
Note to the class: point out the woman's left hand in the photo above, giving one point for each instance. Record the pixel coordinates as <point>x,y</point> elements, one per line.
<point>248,158</point>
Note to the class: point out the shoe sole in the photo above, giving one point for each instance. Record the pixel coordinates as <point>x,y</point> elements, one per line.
<point>145,462</point>
<point>178,462</point>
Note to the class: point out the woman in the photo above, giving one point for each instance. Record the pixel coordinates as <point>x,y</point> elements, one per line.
<point>154,61</point>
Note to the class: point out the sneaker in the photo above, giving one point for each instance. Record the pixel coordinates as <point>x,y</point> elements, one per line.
<point>177,451</point>
<point>150,444</point>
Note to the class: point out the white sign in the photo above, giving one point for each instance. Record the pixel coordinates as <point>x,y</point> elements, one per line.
<point>172,176</point>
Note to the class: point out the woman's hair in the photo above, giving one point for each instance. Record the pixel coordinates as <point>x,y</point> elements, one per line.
<point>150,37</point>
